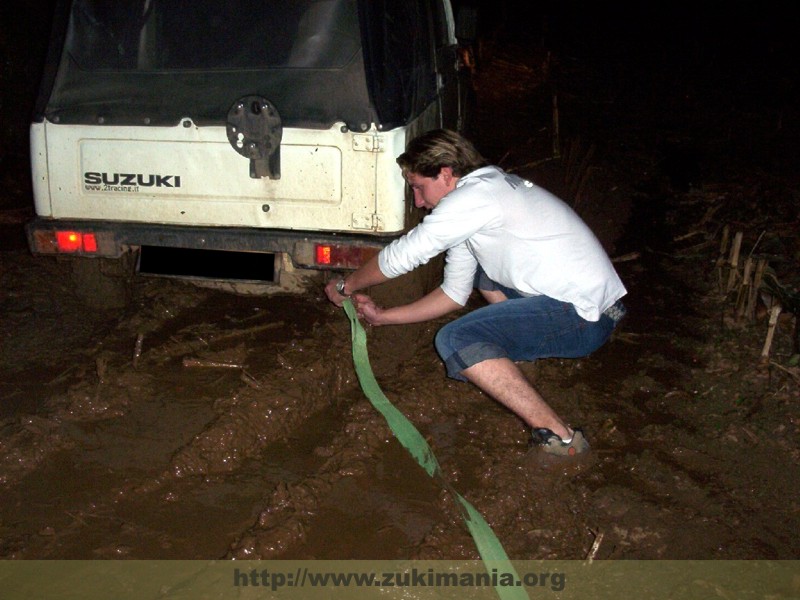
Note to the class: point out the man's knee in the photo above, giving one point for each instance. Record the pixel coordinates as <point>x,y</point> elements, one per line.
<point>443,341</point>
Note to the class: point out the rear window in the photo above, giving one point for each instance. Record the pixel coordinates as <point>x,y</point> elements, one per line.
<point>164,35</point>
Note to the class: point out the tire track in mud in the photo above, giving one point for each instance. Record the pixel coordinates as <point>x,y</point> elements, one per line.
<point>253,418</point>
<point>288,519</point>
<point>300,378</point>
<point>285,521</point>
<point>269,404</point>
<point>26,443</point>
<point>311,376</point>
<point>293,377</point>
<point>483,452</point>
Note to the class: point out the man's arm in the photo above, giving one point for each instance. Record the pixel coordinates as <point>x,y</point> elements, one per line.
<point>433,305</point>
<point>367,275</point>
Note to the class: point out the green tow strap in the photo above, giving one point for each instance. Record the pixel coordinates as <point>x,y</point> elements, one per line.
<point>489,547</point>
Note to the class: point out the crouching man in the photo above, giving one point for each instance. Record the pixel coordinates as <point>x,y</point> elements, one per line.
<point>551,289</point>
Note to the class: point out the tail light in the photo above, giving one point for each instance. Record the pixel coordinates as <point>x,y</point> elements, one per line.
<point>75,241</point>
<point>64,242</point>
<point>342,256</point>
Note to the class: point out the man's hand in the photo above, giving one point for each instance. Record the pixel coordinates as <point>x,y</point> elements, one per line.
<point>333,295</point>
<point>367,275</point>
<point>367,309</point>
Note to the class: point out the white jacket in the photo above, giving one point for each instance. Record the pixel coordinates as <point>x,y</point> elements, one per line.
<point>523,237</point>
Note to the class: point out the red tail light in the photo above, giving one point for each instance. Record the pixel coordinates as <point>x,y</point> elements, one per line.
<point>343,256</point>
<point>89,242</point>
<point>74,241</point>
<point>323,255</point>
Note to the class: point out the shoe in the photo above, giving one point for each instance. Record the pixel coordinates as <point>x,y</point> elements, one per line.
<point>553,444</point>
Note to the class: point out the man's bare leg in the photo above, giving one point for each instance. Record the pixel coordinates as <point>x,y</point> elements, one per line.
<point>503,381</point>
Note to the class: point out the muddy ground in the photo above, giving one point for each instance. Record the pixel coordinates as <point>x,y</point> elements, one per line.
<point>109,449</point>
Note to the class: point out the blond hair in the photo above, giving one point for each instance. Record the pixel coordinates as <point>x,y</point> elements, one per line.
<point>427,154</point>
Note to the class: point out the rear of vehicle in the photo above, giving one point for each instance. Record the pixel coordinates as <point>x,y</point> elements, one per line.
<point>246,141</point>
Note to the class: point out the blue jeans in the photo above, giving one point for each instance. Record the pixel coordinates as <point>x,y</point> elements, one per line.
<point>520,328</point>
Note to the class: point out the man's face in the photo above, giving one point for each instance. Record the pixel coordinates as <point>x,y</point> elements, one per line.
<point>428,191</point>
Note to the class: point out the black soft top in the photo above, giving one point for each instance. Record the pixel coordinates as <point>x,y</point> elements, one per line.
<point>134,62</point>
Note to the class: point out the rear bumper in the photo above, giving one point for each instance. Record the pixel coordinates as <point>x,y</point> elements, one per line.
<point>115,238</point>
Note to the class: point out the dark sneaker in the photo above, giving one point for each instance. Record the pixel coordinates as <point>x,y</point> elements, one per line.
<point>553,444</point>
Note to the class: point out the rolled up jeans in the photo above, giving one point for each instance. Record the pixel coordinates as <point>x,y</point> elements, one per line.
<point>521,329</point>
